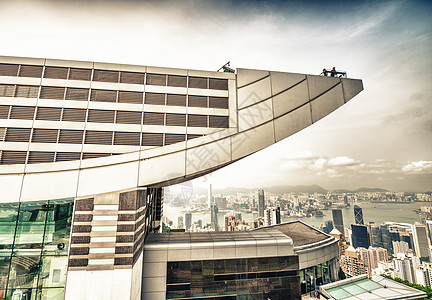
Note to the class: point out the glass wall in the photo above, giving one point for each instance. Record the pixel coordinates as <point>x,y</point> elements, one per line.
<point>34,242</point>
<point>311,278</point>
<point>251,278</point>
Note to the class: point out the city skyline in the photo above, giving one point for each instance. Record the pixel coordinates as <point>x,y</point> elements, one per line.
<point>385,140</point>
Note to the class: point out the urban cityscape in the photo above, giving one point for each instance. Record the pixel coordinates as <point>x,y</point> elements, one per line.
<point>386,247</point>
<point>215,150</point>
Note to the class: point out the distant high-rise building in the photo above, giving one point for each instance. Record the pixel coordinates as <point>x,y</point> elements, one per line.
<point>267,217</point>
<point>338,220</point>
<point>421,244</point>
<point>328,226</point>
<point>351,263</point>
<point>358,215</point>
<point>276,215</point>
<point>400,247</point>
<point>210,196</point>
<point>346,200</point>
<point>199,223</point>
<point>261,203</point>
<point>238,216</point>
<point>230,223</point>
<point>188,220</point>
<point>214,216</point>
<point>404,268</point>
<point>360,236</point>
<point>180,222</point>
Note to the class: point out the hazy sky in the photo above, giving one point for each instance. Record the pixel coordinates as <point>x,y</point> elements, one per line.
<point>382,138</point>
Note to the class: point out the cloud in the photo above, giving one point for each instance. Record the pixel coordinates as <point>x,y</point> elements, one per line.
<point>418,167</point>
<point>341,161</point>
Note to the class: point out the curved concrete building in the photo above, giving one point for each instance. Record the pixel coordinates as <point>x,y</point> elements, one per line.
<point>96,142</point>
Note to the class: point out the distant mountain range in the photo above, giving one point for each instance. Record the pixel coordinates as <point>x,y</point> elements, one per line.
<point>282,189</point>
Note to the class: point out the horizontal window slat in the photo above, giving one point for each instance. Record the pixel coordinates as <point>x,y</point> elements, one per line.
<point>48,113</point>
<point>106,76</point>
<point>132,77</point>
<point>218,102</point>
<point>130,97</point>
<point>176,100</point>
<point>41,135</point>
<point>56,72</point>
<point>22,112</point>
<point>68,136</point>
<point>13,157</point>
<point>151,118</point>
<point>178,81</point>
<point>128,117</point>
<point>7,90</point>
<point>49,92</point>
<point>175,120</point>
<point>218,122</point>
<point>127,138</point>
<point>8,70</point>
<point>171,138</point>
<point>152,139</point>
<point>80,74</point>
<point>198,101</point>
<point>218,84</point>
<point>103,96</point>
<point>36,157</point>
<point>198,82</point>
<point>101,116</point>
<point>77,94</point>
<point>74,114</point>
<point>30,71</point>
<point>17,134</point>
<point>67,156</point>
<point>197,121</point>
<point>98,137</point>
<point>27,91</point>
<point>156,79</point>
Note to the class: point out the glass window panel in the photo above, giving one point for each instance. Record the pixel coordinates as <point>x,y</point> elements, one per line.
<point>24,271</point>
<point>8,217</point>
<point>51,294</point>
<point>53,271</point>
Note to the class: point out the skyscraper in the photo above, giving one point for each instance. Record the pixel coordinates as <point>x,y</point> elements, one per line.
<point>214,216</point>
<point>210,196</point>
<point>360,236</point>
<point>421,244</point>
<point>188,220</point>
<point>338,220</point>
<point>261,203</point>
<point>358,215</point>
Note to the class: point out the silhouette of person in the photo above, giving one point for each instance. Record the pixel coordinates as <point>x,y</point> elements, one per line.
<point>333,72</point>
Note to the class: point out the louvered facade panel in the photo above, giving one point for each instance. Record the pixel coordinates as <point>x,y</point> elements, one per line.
<point>48,113</point>
<point>127,138</point>
<point>68,136</point>
<point>41,135</point>
<point>8,70</point>
<point>154,98</point>
<point>4,111</point>
<point>176,100</point>
<point>103,96</point>
<point>218,84</point>
<point>80,74</point>
<point>50,92</point>
<point>131,77</point>
<point>74,114</point>
<point>197,101</point>
<point>94,155</point>
<point>130,97</point>
<point>67,156</point>
<point>175,120</point>
<point>2,134</point>
<point>77,94</point>
<point>7,90</point>
<point>151,118</point>
<point>152,139</point>
<point>218,102</point>
<point>13,157</point>
<point>101,116</point>
<point>172,138</point>
<point>27,91</point>
<point>175,80</point>
<point>56,72</point>
<point>193,136</point>
<point>22,112</point>
<point>197,120</point>
<point>156,79</point>
<point>198,82</point>
<point>218,122</point>
<point>17,134</point>
<point>98,137</point>
<point>30,71</point>
<point>106,76</point>
<point>37,157</point>
<point>128,117</point>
